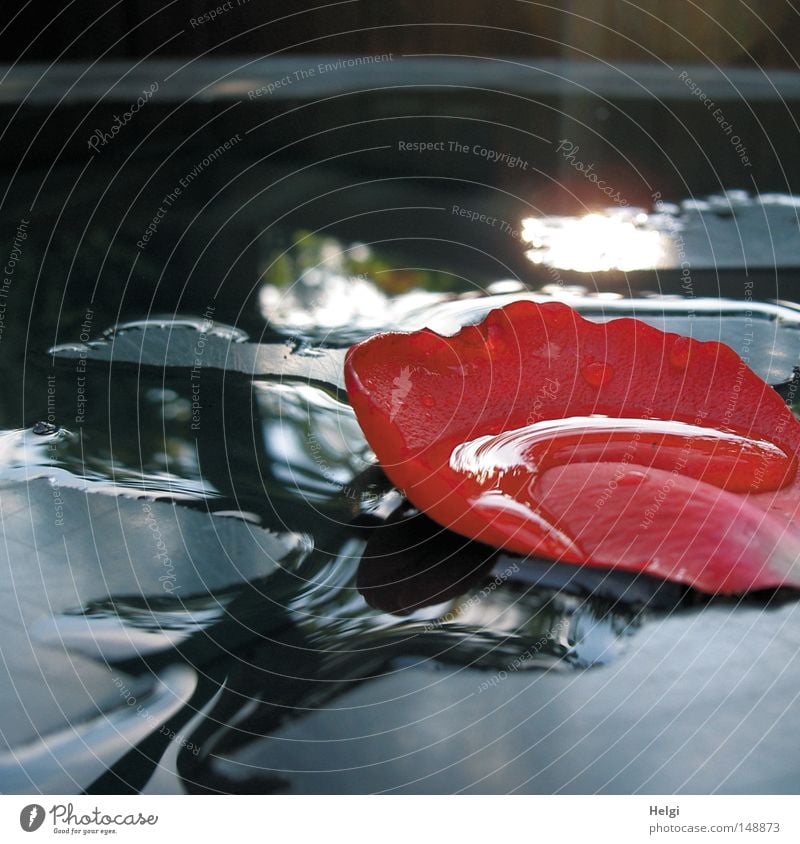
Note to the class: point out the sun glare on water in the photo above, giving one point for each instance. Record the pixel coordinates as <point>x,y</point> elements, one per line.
<point>594,243</point>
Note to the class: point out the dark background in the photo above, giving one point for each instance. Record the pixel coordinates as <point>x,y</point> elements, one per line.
<point>696,701</point>
<point>757,33</point>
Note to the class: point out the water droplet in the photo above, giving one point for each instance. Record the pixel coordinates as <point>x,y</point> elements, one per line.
<point>202,325</point>
<point>679,353</point>
<point>428,401</point>
<point>597,374</point>
<point>551,351</point>
<point>66,348</point>
<point>632,478</point>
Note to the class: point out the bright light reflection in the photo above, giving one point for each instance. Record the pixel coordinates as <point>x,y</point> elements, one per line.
<point>593,243</point>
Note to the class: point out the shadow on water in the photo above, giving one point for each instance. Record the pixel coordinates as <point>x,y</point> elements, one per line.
<point>297,641</point>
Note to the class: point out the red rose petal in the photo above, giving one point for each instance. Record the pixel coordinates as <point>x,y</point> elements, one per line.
<point>709,501</point>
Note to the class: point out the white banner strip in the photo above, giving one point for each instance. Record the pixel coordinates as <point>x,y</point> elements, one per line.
<point>400,819</point>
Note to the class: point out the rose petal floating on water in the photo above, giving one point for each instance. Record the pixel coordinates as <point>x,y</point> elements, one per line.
<point>613,444</point>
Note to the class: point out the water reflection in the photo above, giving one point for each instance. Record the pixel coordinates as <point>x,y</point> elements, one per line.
<point>303,573</point>
<point>306,634</point>
<point>484,614</point>
<point>731,230</point>
<point>160,461</point>
<point>330,292</point>
<point>66,761</point>
<point>201,326</point>
<point>119,629</point>
<point>410,563</point>
<point>312,443</point>
<point>596,242</point>
<point>291,444</point>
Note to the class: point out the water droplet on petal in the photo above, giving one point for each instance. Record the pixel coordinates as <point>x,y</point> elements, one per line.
<point>632,478</point>
<point>428,401</point>
<point>597,374</point>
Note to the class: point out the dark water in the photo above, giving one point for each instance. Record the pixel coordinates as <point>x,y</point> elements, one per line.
<point>211,587</point>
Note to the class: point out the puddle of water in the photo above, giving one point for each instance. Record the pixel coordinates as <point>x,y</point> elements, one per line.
<point>371,588</point>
